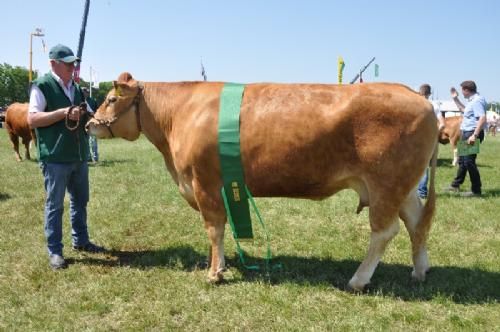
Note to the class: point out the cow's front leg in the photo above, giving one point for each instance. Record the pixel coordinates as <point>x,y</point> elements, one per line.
<point>215,231</point>
<point>214,217</point>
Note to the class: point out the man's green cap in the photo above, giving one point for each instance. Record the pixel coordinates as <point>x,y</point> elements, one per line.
<point>62,53</point>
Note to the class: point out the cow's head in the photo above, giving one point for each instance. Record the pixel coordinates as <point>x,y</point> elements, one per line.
<point>118,116</point>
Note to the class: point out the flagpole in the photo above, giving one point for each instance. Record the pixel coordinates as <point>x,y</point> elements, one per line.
<point>90,82</point>
<point>362,71</point>
<point>81,40</point>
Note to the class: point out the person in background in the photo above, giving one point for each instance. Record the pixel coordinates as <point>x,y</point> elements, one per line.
<point>425,90</point>
<point>94,154</point>
<point>474,120</point>
<point>63,152</point>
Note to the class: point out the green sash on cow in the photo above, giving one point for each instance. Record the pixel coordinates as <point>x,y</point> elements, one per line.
<point>235,193</point>
<point>233,189</point>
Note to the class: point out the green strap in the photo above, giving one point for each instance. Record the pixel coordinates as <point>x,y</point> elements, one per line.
<point>230,160</point>
<point>234,191</point>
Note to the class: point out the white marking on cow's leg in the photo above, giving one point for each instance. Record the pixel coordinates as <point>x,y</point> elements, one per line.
<point>411,213</point>
<point>216,235</point>
<point>378,242</point>
<point>455,157</point>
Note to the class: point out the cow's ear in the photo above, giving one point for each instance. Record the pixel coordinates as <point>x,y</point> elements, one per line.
<point>125,77</point>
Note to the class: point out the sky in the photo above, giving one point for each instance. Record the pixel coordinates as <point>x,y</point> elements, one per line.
<point>440,42</point>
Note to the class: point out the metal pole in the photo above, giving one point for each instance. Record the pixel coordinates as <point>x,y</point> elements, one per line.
<point>82,39</point>
<point>30,77</point>
<point>37,33</point>
<point>362,71</point>
<point>90,83</point>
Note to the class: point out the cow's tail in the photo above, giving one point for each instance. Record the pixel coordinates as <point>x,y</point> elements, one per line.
<point>424,225</point>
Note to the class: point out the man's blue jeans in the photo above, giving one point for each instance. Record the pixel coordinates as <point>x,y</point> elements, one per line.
<point>59,177</point>
<point>93,148</point>
<point>422,185</point>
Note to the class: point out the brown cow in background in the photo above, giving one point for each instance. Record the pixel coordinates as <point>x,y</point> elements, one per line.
<point>16,122</point>
<point>451,134</point>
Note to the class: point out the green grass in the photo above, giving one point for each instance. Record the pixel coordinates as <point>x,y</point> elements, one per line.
<point>153,280</point>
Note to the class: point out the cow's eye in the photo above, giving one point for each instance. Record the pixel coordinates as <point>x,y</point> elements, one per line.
<point>112,99</point>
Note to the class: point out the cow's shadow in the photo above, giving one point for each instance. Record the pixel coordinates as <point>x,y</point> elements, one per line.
<point>110,162</point>
<point>4,196</point>
<point>457,284</point>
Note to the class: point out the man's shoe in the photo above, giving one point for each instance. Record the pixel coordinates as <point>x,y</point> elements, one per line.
<point>90,247</point>
<point>57,262</point>
<point>470,194</point>
<point>452,189</point>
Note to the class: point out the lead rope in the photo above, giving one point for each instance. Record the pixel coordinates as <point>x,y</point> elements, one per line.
<point>67,119</point>
<point>241,254</point>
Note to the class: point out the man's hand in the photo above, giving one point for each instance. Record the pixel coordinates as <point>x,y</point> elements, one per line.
<point>471,140</point>
<point>74,113</point>
<point>454,93</point>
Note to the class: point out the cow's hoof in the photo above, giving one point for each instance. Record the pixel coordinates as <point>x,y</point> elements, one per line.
<point>215,278</point>
<point>419,276</point>
<point>355,286</point>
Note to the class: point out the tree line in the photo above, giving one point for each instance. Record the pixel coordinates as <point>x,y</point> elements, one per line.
<point>14,86</point>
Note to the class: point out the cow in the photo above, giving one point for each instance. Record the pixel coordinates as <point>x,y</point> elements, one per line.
<point>16,122</point>
<point>297,140</point>
<point>493,121</point>
<point>451,134</point>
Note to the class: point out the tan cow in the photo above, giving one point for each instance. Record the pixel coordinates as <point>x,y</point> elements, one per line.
<point>16,122</point>
<point>451,134</point>
<point>297,140</point>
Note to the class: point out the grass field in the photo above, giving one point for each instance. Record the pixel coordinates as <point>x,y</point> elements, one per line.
<point>153,277</point>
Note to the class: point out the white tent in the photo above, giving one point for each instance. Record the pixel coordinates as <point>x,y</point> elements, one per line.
<point>448,106</point>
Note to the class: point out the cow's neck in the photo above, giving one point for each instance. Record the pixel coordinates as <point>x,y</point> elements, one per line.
<point>161,104</point>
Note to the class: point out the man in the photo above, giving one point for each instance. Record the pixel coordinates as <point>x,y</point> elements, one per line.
<point>92,139</point>
<point>474,119</point>
<point>425,90</point>
<point>62,152</point>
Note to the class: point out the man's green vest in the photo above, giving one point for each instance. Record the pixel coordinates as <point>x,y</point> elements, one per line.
<point>56,143</point>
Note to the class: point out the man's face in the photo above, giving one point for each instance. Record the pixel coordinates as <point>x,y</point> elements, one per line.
<point>63,70</point>
<point>466,93</point>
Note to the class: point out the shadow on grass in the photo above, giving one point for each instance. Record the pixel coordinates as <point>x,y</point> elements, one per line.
<point>489,193</point>
<point>4,197</point>
<point>110,163</point>
<point>457,284</point>
<point>183,258</point>
<point>446,162</point>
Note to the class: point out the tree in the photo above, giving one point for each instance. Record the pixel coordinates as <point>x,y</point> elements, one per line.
<point>14,84</point>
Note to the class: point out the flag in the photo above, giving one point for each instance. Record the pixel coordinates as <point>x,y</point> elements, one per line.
<point>203,73</point>
<point>76,73</point>
<point>44,47</point>
<point>376,70</point>
<point>341,66</point>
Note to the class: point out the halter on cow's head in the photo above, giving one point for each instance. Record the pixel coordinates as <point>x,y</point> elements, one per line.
<point>119,115</point>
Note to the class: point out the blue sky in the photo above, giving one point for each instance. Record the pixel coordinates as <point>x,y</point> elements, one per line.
<point>440,42</point>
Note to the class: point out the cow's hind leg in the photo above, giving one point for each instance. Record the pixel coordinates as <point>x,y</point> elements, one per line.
<point>411,212</point>
<point>384,226</point>
<point>27,147</point>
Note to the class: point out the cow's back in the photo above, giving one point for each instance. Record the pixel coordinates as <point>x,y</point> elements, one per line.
<point>16,118</point>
